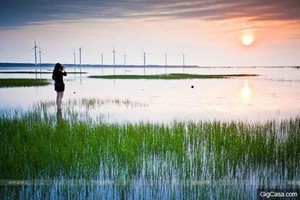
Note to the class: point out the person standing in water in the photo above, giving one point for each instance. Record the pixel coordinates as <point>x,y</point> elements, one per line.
<point>59,85</point>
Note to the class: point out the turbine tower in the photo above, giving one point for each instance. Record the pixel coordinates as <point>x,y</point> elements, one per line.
<point>80,55</point>
<point>166,59</point>
<point>74,57</point>
<point>144,61</point>
<point>102,59</point>
<point>40,55</point>
<point>114,56</point>
<point>35,57</point>
<point>114,59</point>
<point>80,58</point>
<point>40,59</point>
<point>35,52</point>
<point>144,57</point>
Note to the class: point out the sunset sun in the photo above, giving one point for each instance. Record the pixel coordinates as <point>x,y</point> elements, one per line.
<point>247,38</point>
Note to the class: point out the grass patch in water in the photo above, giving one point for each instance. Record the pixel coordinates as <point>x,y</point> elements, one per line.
<point>22,82</point>
<point>174,76</point>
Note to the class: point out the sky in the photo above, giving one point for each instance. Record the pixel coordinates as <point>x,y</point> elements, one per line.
<point>172,32</point>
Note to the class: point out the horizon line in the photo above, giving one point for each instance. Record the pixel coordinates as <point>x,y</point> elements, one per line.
<point>149,66</point>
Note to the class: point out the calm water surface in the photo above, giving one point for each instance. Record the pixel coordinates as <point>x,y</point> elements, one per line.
<point>274,94</point>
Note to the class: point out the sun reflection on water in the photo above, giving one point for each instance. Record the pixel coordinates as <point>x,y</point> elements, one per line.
<point>246,93</point>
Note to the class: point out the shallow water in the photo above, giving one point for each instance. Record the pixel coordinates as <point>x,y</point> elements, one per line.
<point>274,94</point>
<point>204,172</point>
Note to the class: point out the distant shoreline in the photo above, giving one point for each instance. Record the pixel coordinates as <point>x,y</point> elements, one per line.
<point>5,65</point>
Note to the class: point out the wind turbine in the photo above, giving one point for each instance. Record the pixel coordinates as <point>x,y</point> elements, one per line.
<point>74,57</point>
<point>80,55</point>
<point>166,61</point>
<point>102,62</point>
<point>144,57</point>
<point>166,58</point>
<point>35,57</point>
<point>114,59</point>
<point>102,59</point>
<point>80,58</point>
<point>35,47</point>
<point>114,56</point>
<point>40,59</point>
<point>40,55</point>
<point>124,59</point>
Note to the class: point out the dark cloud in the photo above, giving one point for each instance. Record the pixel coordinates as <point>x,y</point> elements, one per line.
<point>14,13</point>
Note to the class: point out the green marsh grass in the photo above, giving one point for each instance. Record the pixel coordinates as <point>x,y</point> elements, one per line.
<point>22,82</point>
<point>205,159</point>
<point>173,76</point>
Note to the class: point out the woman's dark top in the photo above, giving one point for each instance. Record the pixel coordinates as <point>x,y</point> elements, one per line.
<point>58,76</point>
<point>59,85</point>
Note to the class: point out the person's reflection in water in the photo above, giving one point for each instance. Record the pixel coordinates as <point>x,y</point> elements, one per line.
<point>59,118</point>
